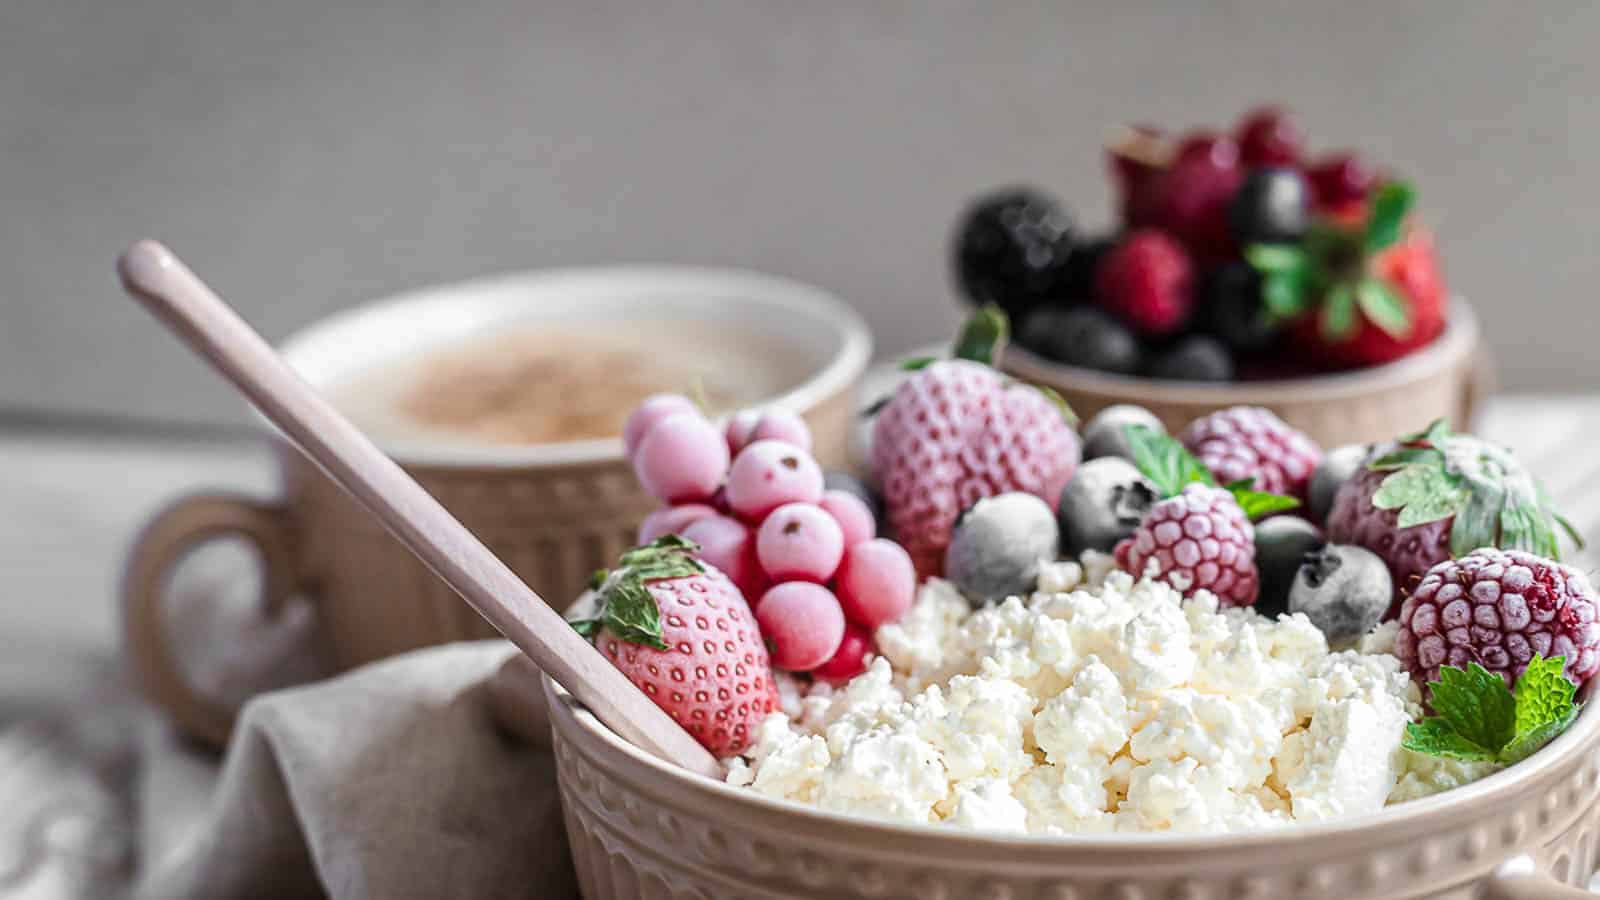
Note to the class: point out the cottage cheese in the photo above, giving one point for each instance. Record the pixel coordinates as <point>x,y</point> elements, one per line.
<point>1098,704</point>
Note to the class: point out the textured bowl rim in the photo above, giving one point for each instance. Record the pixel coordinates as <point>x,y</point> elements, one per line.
<point>1457,340</point>
<point>849,359</point>
<point>1404,821</point>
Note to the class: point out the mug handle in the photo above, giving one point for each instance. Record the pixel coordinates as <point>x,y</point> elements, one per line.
<point>1518,879</point>
<point>175,531</point>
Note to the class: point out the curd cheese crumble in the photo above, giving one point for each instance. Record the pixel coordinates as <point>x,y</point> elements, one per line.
<point>1100,704</point>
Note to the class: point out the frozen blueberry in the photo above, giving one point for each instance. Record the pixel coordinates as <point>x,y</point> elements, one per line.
<point>1335,469</point>
<point>1102,504</point>
<point>1081,336</point>
<point>1106,434</point>
<point>1343,590</point>
<point>1282,543</point>
<point>844,481</point>
<point>997,545</point>
<point>1198,357</point>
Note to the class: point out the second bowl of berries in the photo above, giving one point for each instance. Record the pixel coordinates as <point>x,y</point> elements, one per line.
<point>1244,269</point>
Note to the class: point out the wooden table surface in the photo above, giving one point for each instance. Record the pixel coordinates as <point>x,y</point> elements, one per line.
<point>70,728</point>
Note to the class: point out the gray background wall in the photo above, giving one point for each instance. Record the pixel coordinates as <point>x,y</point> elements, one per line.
<point>308,154</point>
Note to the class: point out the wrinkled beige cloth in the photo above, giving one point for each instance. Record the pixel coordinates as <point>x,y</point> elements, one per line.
<point>395,781</point>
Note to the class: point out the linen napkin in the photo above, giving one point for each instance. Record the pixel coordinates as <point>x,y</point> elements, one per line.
<point>393,781</point>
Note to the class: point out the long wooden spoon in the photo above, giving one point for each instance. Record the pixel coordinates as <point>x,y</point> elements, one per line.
<point>158,279</point>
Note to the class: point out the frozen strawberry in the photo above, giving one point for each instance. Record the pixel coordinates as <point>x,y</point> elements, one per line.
<point>682,632</point>
<point>1436,495</point>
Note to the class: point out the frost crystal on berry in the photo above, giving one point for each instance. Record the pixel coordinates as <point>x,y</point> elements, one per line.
<point>1198,540</point>
<point>1251,442</point>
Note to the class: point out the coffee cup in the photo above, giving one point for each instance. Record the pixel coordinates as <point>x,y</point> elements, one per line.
<point>554,506</point>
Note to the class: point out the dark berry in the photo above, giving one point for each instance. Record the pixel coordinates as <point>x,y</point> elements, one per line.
<point>1103,503</point>
<point>1012,248</point>
<point>997,544</point>
<point>1272,206</point>
<point>1338,466</point>
<point>1081,337</point>
<point>1190,199</point>
<point>1341,180</point>
<point>1268,137</point>
<point>1233,308</point>
<point>1077,284</point>
<point>1197,357</point>
<point>1147,282</point>
<point>1343,591</point>
<point>1106,432</point>
<point>1282,543</point>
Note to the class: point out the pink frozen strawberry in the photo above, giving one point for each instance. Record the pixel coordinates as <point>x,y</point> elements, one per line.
<point>1251,442</point>
<point>1436,495</point>
<point>957,431</point>
<point>1199,538</point>
<point>682,632</point>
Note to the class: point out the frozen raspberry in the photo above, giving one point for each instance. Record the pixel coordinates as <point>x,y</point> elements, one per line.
<point>1148,283</point>
<point>1498,608</point>
<point>1200,539</point>
<point>1251,442</point>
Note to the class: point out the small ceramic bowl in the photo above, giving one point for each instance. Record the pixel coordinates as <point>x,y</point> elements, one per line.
<point>640,828</point>
<point>1446,379</point>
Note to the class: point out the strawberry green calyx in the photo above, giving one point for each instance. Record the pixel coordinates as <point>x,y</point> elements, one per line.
<point>1496,502</point>
<point>1477,718</point>
<point>1170,467</point>
<point>625,605</point>
<point>1329,271</point>
<point>983,335</point>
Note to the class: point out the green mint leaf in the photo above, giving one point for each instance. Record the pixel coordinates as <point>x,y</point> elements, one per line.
<point>1435,737</point>
<point>1476,703</point>
<point>982,335</point>
<point>1406,456</point>
<point>1384,307</point>
<point>1389,208</point>
<point>632,615</point>
<point>1260,503</point>
<point>1164,461</point>
<point>916,364</point>
<point>1422,493</point>
<point>1275,258</point>
<point>1239,484</point>
<point>1545,707</point>
<point>1338,313</point>
<point>585,627</point>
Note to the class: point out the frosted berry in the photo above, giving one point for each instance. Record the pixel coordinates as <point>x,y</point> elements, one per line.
<point>672,520</point>
<point>876,582</point>
<point>1268,137</point>
<point>1147,282</point>
<point>1338,466</point>
<point>844,481</point>
<point>1106,432</point>
<point>997,545</point>
<point>738,429</point>
<point>1282,543</point>
<point>1023,444</point>
<point>1252,442</point>
<point>1199,539</point>
<point>799,542</point>
<point>782,425</point>
<point>849,660</point>
<point>854,518</point>
<point>706,664</point>
<point>730,546</point>
<point>802,623</point>
<point>647,414</point>
<point>1343,590</point>
<point>1498,608</point>
<point>768,474</point>
<point>1104,502</point>
<point>682,459</point>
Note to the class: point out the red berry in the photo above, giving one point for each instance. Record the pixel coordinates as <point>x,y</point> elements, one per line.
<point>1190,199</point>
<point>800,542</point>
<point>1498,608</point>
<point>802,623</point>
<point>672,520</point>
<point>1148,282</point>
<point>1252,442</point>
<point>850,659</point>
<point>1268,137</point>
<point>1198,540</point>
<point>876,582</point>
<point>1135,160</point>
<point>1218,149</point>
<point>730,547</point>
<point>1340,180</point>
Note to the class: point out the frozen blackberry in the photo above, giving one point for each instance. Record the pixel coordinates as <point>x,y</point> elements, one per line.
<point>1013,249</point>
<point>1081,337</point>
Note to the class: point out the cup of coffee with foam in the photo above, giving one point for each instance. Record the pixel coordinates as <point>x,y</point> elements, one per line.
<point>505,398</point>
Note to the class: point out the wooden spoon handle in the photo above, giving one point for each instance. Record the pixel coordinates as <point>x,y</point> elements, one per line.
<point>153,275</point>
